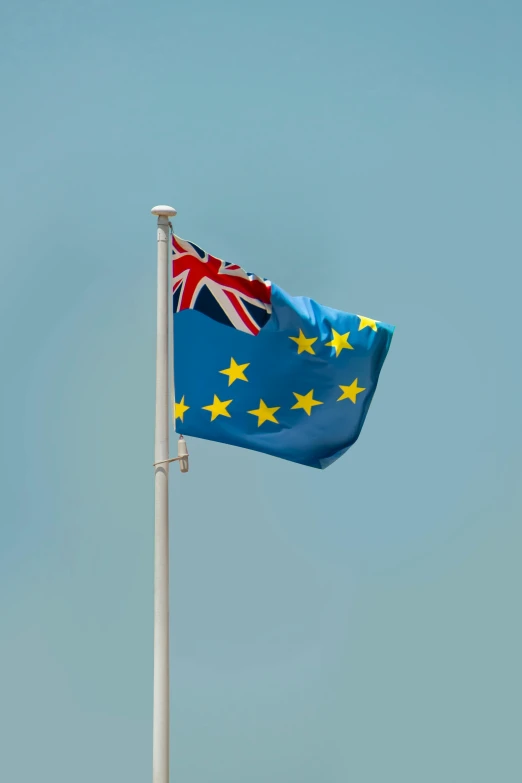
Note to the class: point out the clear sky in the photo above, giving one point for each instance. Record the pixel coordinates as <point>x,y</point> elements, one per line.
<point>359,624</point>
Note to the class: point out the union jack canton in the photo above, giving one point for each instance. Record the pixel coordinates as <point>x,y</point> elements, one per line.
<point>218,289</point>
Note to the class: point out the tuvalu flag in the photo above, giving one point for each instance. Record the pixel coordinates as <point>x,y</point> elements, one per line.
<point>257,368</point>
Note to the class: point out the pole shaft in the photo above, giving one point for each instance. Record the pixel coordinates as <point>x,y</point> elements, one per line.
<point>160,743</point>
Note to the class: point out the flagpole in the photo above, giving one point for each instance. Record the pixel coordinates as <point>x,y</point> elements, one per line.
<point>160,738</point>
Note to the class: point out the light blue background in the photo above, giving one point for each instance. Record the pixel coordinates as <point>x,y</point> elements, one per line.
<point>367,155</point>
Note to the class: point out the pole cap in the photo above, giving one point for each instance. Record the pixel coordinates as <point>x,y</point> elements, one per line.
<point>163,211</point>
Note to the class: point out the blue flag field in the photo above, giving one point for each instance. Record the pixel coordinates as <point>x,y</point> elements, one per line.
<point>257,368</point>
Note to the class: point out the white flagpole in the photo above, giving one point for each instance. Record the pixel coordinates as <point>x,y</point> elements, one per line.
<point>160,740</point>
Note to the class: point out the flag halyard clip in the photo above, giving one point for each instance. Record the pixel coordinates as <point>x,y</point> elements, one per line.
<point>182,458</point>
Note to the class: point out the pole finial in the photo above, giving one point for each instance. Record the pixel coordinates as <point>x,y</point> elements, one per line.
<point>164,211</point>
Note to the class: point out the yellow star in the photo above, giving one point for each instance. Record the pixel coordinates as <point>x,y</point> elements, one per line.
<point>264,413</point>
<point>235,372</point>
<point>218,408</point>
<point>180,409</point>
<point>304,343</point>
<point>339,341</point>
<point>350,392</point>
<point>305,401</point>
<point>367,322</point>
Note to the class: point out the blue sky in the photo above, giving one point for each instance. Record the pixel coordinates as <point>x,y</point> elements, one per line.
<point>355,624</point>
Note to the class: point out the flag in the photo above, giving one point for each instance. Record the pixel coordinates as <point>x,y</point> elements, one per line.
<point>258,368</point>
